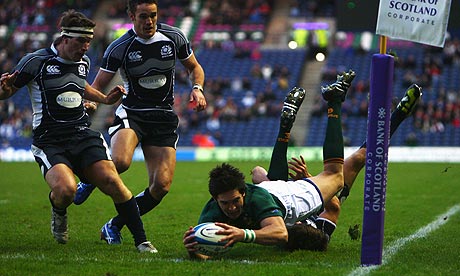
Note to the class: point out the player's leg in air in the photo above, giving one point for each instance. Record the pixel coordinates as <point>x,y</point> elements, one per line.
<point>313,232</point>
<point>355,162</point>
<point>278,169</point>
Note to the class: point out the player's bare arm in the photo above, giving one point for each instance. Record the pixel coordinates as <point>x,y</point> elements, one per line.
<point>112,97</point>
<point>7,88</point>
<point>102,80</point>
<point>197,76</point>
<point>272,232</point>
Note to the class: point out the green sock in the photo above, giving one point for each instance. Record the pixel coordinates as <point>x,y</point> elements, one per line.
<point>278,169</point>
<point>333,142</point>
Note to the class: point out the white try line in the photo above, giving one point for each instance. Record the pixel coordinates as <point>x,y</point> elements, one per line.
<point>393,248</point>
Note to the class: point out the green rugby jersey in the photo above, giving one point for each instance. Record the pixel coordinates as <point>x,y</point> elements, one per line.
<point>258,205</point>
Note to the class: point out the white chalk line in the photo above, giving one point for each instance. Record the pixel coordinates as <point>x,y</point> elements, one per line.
<point>392,249</point>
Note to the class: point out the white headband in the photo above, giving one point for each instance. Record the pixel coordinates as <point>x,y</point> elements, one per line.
<point>77,31</point>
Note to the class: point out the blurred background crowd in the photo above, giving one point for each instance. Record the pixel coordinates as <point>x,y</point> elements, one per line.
<point>253,52</point>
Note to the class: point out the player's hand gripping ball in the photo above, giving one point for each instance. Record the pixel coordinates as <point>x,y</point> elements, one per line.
<point>208,240</point>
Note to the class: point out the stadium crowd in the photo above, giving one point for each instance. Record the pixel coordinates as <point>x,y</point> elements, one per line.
<point>440,105</point>
<point>28,25</point>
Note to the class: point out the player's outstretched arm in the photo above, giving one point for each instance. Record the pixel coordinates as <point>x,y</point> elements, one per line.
<point>112,97</point>
<point>272,232</point>
<point>7,88</point>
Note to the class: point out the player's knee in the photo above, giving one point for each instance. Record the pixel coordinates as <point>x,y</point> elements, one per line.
<point>122,165</point>
<point>112,185</point>
<point>160,188</point>
<point>64,194</point>
<point>333,206</point>
<point>338,179</point>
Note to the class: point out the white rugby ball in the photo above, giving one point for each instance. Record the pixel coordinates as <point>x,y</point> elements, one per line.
<point>208,240</point>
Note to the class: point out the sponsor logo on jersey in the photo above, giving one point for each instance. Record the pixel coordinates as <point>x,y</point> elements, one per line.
<point>69,99</point>
<point>53,70</point>
<point>82,70</point>
<point>153,82</point>
<point>134,56</point>
<point>166,51</point>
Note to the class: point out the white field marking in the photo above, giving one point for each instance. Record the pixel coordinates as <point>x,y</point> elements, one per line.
<point>393,248</point>
<point>41,257</point>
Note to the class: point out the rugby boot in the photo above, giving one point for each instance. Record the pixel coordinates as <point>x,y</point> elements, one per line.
<point>111,234</point>
<point>338,90</point>
<point>83,192</point>
<point>146,247</point>
<point>410,99</point>
<point>291,106</point>
<point>59,227</point>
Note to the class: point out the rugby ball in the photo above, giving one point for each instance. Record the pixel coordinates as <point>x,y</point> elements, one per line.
<point>208,240</point>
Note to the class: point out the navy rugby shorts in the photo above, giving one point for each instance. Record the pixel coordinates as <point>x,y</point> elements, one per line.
<point>77,150</point>
<point>152,127</point>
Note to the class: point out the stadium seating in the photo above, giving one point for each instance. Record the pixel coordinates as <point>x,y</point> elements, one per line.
<point>258,131</point>
<point>233,59</point>
<point>349,55</point>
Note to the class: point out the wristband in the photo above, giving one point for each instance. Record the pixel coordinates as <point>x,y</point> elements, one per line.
<point>249,235</point>
<point>198,86</point>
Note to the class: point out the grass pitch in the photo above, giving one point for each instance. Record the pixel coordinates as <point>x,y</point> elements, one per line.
<point>417,240</point>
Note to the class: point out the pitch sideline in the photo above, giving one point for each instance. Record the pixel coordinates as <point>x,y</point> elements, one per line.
<point>393,248</point>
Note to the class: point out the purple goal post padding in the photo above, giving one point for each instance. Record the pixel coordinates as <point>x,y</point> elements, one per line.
<point>375,179</point>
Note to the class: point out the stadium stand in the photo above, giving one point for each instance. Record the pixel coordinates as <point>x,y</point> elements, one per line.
<point>436,118</point>
<point>245,80</point>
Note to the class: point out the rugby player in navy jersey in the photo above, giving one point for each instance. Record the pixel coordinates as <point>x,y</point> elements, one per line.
<point>63,144</point>
<point>146,57</point>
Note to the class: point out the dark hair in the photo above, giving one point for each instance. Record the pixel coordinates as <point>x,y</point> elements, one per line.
<point>306,237</point>
<point>132,4</point>
<point>72,18</point>
<point>225,178</point>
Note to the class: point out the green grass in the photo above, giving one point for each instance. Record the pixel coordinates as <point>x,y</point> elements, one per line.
<point>416,195</point>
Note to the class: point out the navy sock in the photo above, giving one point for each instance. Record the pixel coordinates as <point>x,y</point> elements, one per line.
<point>57,210</point>
<point>145,203</point>
<point>128,212</point>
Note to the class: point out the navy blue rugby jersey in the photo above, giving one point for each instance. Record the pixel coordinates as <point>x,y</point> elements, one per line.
<point>147,66</point>
<point>56,87</point>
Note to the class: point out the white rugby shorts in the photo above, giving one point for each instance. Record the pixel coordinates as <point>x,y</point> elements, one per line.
<point>301,198</point>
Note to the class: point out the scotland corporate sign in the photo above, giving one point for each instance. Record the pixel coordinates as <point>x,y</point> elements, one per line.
<point>422,21</point>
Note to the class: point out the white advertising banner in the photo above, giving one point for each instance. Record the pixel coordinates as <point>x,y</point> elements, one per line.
<point>422,21</point>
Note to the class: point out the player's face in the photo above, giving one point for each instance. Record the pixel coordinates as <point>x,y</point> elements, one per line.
<point>145,20</point>
<point>75,48</point>
<point>231,203</point>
